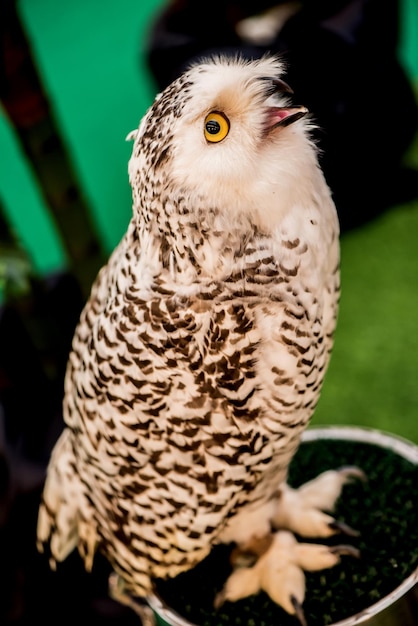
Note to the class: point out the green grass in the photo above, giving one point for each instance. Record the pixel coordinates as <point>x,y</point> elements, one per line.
<point>373,376</point>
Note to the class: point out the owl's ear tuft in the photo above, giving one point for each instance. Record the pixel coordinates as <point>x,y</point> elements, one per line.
<point>132,135</point>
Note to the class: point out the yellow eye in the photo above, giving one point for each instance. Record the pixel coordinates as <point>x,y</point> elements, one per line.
<point>216,127</point>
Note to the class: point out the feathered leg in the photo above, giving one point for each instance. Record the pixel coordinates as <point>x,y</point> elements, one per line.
<point>59,520</point>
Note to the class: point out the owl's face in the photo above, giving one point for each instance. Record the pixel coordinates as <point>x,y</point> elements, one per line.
<point>219,130</point>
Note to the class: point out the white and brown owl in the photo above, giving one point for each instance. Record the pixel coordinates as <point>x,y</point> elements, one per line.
<point>200,355</point>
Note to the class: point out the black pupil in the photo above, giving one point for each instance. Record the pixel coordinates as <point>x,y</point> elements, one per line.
<point>213,127</point>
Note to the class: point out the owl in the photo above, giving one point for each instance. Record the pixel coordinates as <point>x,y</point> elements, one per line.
<point>200,354</point>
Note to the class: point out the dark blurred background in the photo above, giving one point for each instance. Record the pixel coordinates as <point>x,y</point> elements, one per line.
<point>75,78</point>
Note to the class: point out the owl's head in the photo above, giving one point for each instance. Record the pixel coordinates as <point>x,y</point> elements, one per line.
<point>226,131</point>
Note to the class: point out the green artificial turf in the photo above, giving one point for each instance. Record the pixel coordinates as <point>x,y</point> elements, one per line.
<point>373,375</point>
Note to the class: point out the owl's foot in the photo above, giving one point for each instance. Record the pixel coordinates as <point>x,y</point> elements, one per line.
<point>276,563</point>
<point>303,510</point>
<point>280,572</point>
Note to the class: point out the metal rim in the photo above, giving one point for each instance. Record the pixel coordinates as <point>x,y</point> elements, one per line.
<point>404,448</point>
<point>169,615</point>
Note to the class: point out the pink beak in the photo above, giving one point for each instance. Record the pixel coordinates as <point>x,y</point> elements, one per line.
<point>283,116</point>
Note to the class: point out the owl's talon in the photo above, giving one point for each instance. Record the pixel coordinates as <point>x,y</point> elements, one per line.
<point>342,527</point>
<point>345,549</point>
<point>279,572</point>
<point>305,510</point>
<point>352,471</point>
<point>276,563</point>
<point>299,613</point>
<point>219,600</point>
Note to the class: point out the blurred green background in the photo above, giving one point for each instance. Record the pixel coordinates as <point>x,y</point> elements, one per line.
<point>89,56</point>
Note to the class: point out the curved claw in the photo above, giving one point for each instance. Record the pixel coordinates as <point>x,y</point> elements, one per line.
<point>219,599</point>
<point>343,528</point>
<point>299,614</point>
<point>345,549</point>
<point>352,471</point>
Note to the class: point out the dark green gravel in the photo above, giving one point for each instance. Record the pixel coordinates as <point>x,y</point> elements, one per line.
<point>383,510</point>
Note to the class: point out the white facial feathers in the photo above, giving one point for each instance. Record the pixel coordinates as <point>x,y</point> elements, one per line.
<point>247,170</point>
